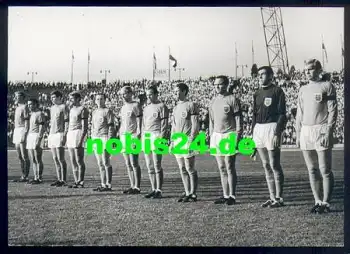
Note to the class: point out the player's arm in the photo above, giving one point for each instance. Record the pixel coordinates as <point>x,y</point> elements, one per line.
<point>282,118</point>
<point>332,108</point>
<point>26,123</point>
<point>211,121</point>
<point>195,121</point>
<point>66,120</point>
<point>110,123</point>
<point>299,116</point>
<point>139,115</point>
<point>237,113</point>
<point>41,122</point>
<point>164,121</point>
<point>85,124</point>
<point>254,113</point>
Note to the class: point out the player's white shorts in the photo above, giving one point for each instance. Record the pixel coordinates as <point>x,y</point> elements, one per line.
<point>74,137</point>
<point>54,140</point>
<point>153,137</point>
<point>18,135</point>
<point>310,137</point>
<point>122,139</point>
<point>32,138</point>
<point>186,146</point>
<point>104,140</point>
<point>215,140</point>
<point>263,135</point>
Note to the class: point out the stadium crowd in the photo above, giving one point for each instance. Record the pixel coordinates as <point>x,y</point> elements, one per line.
<point>201,92</point>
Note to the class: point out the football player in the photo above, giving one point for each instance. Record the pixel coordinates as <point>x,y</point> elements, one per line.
<point>185,120</point>
<point>20,134</point>
<point>76,138</point>
<point>315,122</point>
<point>35,140</point>
<point>59,117</point>
<point>103,128</point>
<point>225,121</point>
<point>155,122</point>
<point>130,123</point>
<point>268,123</point>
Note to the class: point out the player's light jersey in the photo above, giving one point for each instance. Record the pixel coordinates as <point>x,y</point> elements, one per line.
<point>316,101</point>
<point>128,115</point>
<point>36,119</point>
<point>21,115</point>
<point>153,114</point>
<point>268,104</point>
<point>76,115</point>
<point>222,112</point>
<point>102,118</point>
<point>59,115</point>
<point>182,113</point>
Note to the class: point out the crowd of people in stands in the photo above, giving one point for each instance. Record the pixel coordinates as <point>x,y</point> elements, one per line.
<point>201,92</point>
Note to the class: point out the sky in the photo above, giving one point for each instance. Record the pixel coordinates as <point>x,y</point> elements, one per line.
<point>122,40</point>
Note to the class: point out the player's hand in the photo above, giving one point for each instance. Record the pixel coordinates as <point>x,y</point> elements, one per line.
<point>24,137</point>
<point>254,153</point>
<point>276,141</point>
<point>63,140</point>
<point>138,134</point>
<point>37,144</point>
<point>325,140</point>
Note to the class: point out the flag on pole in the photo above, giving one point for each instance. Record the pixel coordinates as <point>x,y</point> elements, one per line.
<point>154,61</point>
<point>72,56</point>
<point>325,51</point>
<point>174,60</point>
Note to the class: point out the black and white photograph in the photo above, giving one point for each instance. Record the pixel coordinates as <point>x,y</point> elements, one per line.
<point>175,126</point>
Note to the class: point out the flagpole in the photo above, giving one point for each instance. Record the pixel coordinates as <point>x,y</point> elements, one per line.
<point>342,50</point>
<point>236,59</point>
<point>153,67</point>
<point>252,53</point>
<point>88,70</point>
<point>72,68</point>
<point>169,63</point>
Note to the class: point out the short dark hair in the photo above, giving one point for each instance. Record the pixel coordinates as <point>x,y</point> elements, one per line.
<point>183,87</point>
<point>76,95</point>
<point>315,63</point>
<point>268,69</point>
<point>34,101</point>
<point>153,88</point>
<point>224,78</point>
<point>57,93</point>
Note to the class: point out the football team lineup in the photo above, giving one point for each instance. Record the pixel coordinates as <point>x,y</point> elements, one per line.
<point>114,146</point>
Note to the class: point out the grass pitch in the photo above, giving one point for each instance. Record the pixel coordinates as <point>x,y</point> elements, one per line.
<point>44,215</point>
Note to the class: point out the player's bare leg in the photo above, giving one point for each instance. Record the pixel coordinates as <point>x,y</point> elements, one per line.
<point>102,172</point>
<point>185,178</point>
<point>38,165</point>
<point>325,166</point>
<point>79,155</point>
<point>264,156</point>
<point>74,163</point>
<point>134,160</point>
<point>130,174</point>
<point>224,179</point>
<point>58,167</point>
<point>157,161</point>
<point>275,162</point>
<point>33,161</point>
<point>103,161</point>
<point>151,174</point>
<point>310,157</point>
<point>230,164</point>
<point>62,161</point>
<point>24,160</point>
<point>193,179</point>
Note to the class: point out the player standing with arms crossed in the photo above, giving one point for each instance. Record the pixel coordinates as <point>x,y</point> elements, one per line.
<point>185,120</point>
<point>103,128</point>
<point>225,121</point>
<point>315,122</point>
<point>35,139</point>
<point>130,122</point>
<point>59,117</point>
<point>155,122</point>
<point>76,137</point>
<point>269,119</point>
<point>20,134</point>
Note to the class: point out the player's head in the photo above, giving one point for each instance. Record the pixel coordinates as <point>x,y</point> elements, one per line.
<point>313,69</point>
<point>126,93</point>
<point>181,91</point>
<point>74,98</point>
<point>100,100</point>
<point>265,76</point>
<point>56,97</point>
<point>152,94</point>
<point>221,83</point>
<point>33,104</point>
<point>19,97</point>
